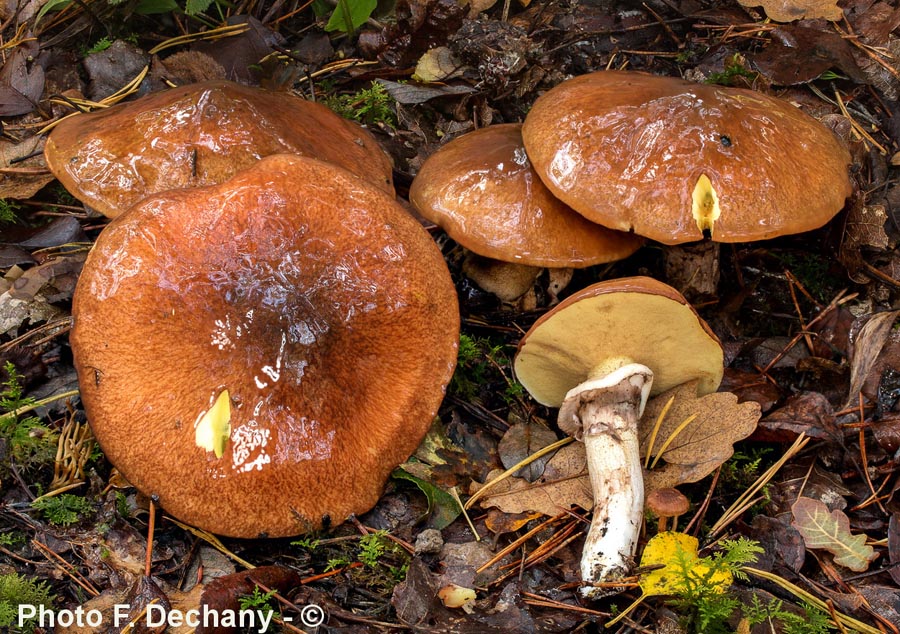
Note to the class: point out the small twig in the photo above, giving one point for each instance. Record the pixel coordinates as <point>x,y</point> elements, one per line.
<point>857,128</point>
<point>66,567</point>
<point>546,602</point>
<point>701,512</point>
<point>480,493</point>
<point>33,406</point>
<point>664,25</point>
<point>213,541</point>
<point>811,599</point>
<point>840,298</point>
<point>521,540</point>
<point>747,498</point>
<point>151,528</point>
<point>462,507</point>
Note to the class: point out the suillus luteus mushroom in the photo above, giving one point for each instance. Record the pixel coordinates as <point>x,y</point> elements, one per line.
<point>672,160</point>
<point>482,190</point>
<point>598,356</point>
<point>261,353</point>
<point>200,134</point>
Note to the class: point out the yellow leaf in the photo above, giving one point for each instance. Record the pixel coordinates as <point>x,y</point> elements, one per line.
<point>669,549</point>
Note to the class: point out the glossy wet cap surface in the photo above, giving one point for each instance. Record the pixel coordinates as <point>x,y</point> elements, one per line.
<point>322,308</point>
<point>635,318</point>
<point>481,189</point>
<point>627,149</point>
<point>200,134</point>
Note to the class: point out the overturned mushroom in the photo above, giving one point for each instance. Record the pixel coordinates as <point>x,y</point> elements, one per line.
<point>200,134</point>
<point>671,159</point>
<point>481,189</point>
<point>598,356</point>
<point>260,354</point>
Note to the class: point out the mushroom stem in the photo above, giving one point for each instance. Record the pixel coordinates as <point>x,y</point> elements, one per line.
<point>606,411</point>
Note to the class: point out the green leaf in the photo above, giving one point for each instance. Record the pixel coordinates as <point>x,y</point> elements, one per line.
<point>349,15</point>
<point>193,7</point>
<point>441,505</point>
<point>831,531</point>
<point>51,5</point>
<point>154,7</point>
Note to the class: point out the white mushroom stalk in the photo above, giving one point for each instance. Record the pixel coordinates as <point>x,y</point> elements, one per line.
<point>604,413</point>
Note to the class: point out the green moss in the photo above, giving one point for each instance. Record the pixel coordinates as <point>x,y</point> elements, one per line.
<point>16,590</point>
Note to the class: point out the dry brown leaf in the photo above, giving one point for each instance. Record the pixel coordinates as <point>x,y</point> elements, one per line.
<point>704,444</point>
<point>564,483</point>
<point>790,10</point>
<point>866,349</point>
<point>522,440</point>
<point>830,530</point>
<point>31,177</point>
<point>865,227</point>
<point>478,6</point>
<point>438,64</point>
<point>499,522</point>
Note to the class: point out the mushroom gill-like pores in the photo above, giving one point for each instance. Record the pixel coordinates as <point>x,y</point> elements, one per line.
<point>200,134</point>
<point>481,189</point>
<point>671,159</point>
<point>598,356</point>
<point>260,354</point>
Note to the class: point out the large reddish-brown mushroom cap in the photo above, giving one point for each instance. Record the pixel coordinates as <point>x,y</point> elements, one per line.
<point>200,134</point>
<point>481,189</point>
<point>632,319</point>
<point>668,158</point>
<point>261,353</point>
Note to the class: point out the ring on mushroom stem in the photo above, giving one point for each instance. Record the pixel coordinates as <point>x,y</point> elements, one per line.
<point>597,356</point>
<point>200,134</point>
<point>271,347</point>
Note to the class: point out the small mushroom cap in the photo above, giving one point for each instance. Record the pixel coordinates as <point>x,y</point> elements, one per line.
<point>667,502</point>
<point>320,309</point>
<point>481,189</point>
<point>629,151</point>
<point>200,134</point>
<point>636,319</point>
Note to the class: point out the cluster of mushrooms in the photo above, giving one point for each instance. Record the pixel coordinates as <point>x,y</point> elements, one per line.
<point>254,319</point>
<point>601,161</point>
<point>260,336</point>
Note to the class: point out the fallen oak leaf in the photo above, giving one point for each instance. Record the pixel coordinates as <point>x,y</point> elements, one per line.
<point>563,484</point>
<point>717,421</point>
<point>830,530</point>
<point>521,441</point>
<point>697,449</point>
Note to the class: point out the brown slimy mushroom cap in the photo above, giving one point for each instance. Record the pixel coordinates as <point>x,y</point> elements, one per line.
<point>200,134</point>
<point>668,158</point>
<point>667,502</point>
<point>261,353</point>
<point>635,320</point>
<point>481,189</point>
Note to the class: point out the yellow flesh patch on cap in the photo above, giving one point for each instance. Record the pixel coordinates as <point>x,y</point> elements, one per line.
<point>706,204</point>
<point>214,427</point>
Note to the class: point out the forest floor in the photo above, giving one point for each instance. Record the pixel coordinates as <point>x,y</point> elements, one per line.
<point>802,520</point>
